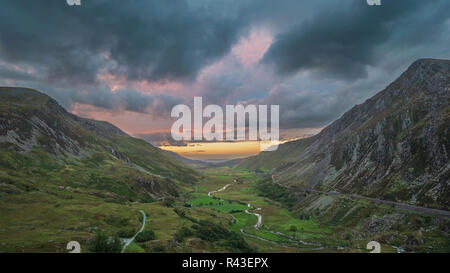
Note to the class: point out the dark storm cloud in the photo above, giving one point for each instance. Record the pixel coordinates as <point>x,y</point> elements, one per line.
<point>174,39</point>
<point>145,39</point>
<point>158,105</point>
<point>126,99</point>
<point>312,109</point>
<point>11,74</point>
<point>344,39</point>
<point>156,40</point>
<point>130,100</point>
<point>62,50</point>
<point>142,40</point>
<point>303,108</point>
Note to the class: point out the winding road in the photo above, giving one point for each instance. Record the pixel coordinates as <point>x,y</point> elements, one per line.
<point>397,205</point>
<point>211,192</point>
<point>130,240</point>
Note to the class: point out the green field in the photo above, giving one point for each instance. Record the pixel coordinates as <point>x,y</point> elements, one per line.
<point>204,201</point>
<point>45,220</point>
<point>275,218</point>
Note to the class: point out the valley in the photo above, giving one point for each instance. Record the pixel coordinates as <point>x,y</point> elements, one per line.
<point>378,173</point>
<point>227,198</point>
<point>284,228</point>
<point>215,135</point>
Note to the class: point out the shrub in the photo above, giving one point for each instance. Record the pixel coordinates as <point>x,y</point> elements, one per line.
<point>105,244</point>
<point>181,213</point>
<point>211,232</point>
<point>126,233</point>
<point>169,202</point>
<point>146,235</point>
<point>183,233</point>
<point>268,189</point>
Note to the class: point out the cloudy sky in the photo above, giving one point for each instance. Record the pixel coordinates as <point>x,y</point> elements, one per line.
<point>129,62</point>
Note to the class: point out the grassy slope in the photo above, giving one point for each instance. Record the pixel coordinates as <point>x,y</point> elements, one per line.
<point>49,195</point>
<point>90,177</point>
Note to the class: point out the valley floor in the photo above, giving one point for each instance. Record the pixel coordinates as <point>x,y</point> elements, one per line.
<point>223,212</point>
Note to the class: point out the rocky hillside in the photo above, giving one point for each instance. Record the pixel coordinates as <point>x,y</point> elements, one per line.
<point>43,144</point>
<point>395,146</point>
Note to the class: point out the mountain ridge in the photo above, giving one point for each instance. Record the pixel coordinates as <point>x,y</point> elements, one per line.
<point>394,145</point>
<point>33,126</point>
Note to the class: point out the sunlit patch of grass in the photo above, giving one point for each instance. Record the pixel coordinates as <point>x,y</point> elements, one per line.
<point>267,235</point>
<point>204,201</point>
<point>134,248</point>
<point>243,220</point>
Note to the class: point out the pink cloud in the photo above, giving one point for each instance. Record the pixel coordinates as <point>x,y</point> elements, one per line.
<point>243,57</point>
<point>128,121</point>
<point>117,82</point>
<point>251,49</point>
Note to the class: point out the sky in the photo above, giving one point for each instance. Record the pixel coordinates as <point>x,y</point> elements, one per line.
<point>129,62</point>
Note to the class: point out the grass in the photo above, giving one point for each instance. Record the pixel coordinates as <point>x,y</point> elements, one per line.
<point>275,217</point>
<point>41,222</point>
<point>205,201</point>
<point>134,248</point>
<point>63,202</point>
<point>243,220</point>
<point>267,235</point>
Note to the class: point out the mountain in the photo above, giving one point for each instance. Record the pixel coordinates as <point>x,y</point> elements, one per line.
<point>394,146</point>
<point>160,139</point>
<point>187,161</point>
<point>43,146</point>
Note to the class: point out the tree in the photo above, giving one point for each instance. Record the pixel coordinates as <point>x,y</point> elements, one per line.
<point>146,235</point>
<point>126,232</point>
<point>116,245</point>
<point>100,243</point>
<point>183,233</point>
<point>105,244</point>
<point>169,202</point>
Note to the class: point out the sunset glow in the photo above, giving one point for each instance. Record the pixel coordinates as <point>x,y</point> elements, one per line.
<point>211,151</point>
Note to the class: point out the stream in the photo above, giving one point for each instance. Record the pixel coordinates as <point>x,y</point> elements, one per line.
<point>259,223</point>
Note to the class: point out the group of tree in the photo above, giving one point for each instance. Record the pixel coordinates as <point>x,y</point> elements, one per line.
<point>209,231</point>
<point>103,243</point>
<point>182,233</point>
<point>146,235</point>
<point>267,188</point>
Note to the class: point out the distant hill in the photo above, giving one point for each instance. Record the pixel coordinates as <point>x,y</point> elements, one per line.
<point>160,139</point>
<point>185,160</point>
<point>394,146</point>
<point>43,145</point>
